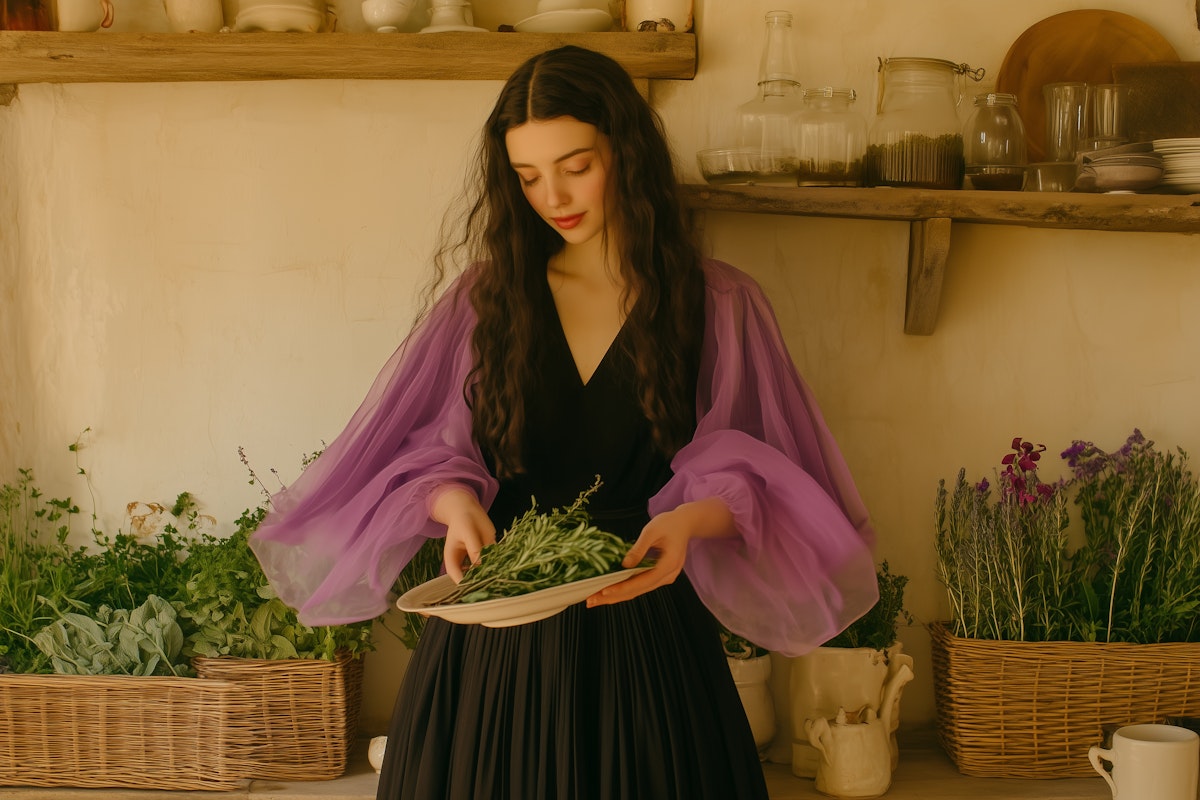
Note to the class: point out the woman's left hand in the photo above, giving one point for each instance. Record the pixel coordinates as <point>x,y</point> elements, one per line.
<point>665,538</point>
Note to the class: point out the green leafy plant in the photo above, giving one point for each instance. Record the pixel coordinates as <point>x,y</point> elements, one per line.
<point>424,566</point>
<point>739,647</point>
<point>1140,566</point>
<point>98,608</point>
<point>231,609</point>
<point>1009,571</point>
<point>37,572</point>
<point>878,629</point>
<point>144,641</point>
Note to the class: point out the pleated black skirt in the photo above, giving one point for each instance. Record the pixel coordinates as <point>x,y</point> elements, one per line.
<point>632,701</point>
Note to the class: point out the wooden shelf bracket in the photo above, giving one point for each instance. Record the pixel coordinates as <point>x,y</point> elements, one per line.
<point>928,247</point>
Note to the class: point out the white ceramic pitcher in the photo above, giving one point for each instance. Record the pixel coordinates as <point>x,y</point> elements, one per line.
<point>856,759</point>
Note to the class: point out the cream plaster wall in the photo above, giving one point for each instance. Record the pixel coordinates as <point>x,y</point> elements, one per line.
<point>190,268</point>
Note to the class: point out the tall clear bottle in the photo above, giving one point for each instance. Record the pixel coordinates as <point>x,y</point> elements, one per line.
<point>766,123</point>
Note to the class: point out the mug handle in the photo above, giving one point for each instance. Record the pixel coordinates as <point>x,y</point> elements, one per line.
<point>1095,754</point>
<point>108,13</point>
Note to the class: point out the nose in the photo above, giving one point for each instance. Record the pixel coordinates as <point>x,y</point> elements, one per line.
<point>556,193</point>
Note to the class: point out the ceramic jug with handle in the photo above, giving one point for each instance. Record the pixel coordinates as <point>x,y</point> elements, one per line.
<point>856,759</point>
<point>82,15</point>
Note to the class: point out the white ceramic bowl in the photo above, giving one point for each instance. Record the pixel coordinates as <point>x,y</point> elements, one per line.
<point>386,16</point>
<point>301,19</point>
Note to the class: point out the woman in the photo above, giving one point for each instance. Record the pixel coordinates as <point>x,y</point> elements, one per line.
<point>588,337</point>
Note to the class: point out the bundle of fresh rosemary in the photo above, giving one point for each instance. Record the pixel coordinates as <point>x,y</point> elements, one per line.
<point>539,551</point>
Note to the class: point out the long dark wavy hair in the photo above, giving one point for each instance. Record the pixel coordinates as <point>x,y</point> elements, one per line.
<point>509,245</point>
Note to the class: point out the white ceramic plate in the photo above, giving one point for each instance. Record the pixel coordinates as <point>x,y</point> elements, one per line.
<point>506,611</point>
<point>1185,144</point>
<point>569,20</point>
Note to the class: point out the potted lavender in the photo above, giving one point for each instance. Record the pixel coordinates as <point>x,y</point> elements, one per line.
<point>1047,644</point>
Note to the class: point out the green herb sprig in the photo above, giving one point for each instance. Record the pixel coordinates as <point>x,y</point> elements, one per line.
<point>539,551</point>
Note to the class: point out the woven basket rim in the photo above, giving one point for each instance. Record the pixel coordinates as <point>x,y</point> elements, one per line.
<point>942,629</point>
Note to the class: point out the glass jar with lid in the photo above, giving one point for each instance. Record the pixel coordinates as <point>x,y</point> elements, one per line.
<point>831,138</point>
<point>994,143</point>
<point>765,123</point>
<point>916,139</point>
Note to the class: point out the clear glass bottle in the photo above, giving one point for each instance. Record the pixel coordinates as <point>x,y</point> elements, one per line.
<point>831,138</point>
<point>994,144</point>
<point>916,139</point>
<point>765,123</point>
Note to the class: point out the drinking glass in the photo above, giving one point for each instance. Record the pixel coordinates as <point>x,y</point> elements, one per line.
<point>1066,119</point>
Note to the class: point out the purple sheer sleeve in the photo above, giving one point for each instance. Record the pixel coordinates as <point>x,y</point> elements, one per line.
<point>337,538</point>
<point>801,568</point>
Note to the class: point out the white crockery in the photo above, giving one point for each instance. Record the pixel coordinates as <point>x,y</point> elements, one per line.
<point>386,16</point>
<point>546,6</point>
<point>82,15</point>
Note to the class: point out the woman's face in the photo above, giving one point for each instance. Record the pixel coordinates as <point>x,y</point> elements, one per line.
<point>563,165</point>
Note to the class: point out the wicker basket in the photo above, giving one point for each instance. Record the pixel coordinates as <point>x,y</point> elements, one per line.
<point>120,731</point>
<point>1032,709</point>
<point>304,712</point>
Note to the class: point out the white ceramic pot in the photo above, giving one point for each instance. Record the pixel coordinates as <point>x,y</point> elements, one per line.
<point>854,754</point>
<point>751,676</point>
<point>833,678</point>
<point>375,751</point>
<point>301,16</point>
<point>194,16</point>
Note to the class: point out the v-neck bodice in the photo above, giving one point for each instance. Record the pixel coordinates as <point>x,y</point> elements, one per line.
<point>558,334</point>
<point>575,431</point>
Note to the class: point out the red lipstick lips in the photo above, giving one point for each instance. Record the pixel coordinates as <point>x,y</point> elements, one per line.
<point>566,223</point>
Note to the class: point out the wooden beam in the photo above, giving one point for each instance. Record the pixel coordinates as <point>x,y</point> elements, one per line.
<point>56,57</point>
<point>928,247</point>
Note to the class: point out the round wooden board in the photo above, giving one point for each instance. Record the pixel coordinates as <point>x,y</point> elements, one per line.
<point>1078,45</point>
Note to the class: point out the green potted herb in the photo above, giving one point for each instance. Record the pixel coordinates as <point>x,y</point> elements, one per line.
<point>852,670</point>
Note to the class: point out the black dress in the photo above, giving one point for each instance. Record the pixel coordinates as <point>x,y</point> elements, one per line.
<point>632,700</point>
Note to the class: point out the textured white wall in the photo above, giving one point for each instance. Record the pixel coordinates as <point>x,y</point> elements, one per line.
<point>186,268</point>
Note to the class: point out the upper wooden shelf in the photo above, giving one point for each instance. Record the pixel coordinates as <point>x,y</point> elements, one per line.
<point>52,57</point>
<point>930,214</point>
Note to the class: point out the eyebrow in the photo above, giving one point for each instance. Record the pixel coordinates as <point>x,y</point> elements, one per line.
<point>558,160</point>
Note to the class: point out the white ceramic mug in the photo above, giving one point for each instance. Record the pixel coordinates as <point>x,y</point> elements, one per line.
<point>1151,762</point>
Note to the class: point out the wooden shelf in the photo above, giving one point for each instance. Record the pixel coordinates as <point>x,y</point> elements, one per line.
<point>930,214</point>
<point>52,57</point>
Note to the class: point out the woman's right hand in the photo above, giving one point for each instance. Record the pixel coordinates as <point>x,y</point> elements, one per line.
<point>468,529</point>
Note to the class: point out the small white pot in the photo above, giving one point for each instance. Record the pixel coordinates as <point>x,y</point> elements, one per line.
<point>751,676</point>
<point>375,752</point>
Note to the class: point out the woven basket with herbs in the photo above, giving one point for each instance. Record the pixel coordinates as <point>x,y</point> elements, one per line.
<point>97,644</point>
<point>1050,645</point>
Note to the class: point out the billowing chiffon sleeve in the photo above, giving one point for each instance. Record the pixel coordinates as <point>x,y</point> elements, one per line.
<point>801,567</point>
<point>339,535</point>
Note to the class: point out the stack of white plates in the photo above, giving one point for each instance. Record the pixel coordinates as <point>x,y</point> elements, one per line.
<point>1181,164</point>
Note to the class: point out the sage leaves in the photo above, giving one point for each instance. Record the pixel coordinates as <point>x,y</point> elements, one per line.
<point>144,641</point>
